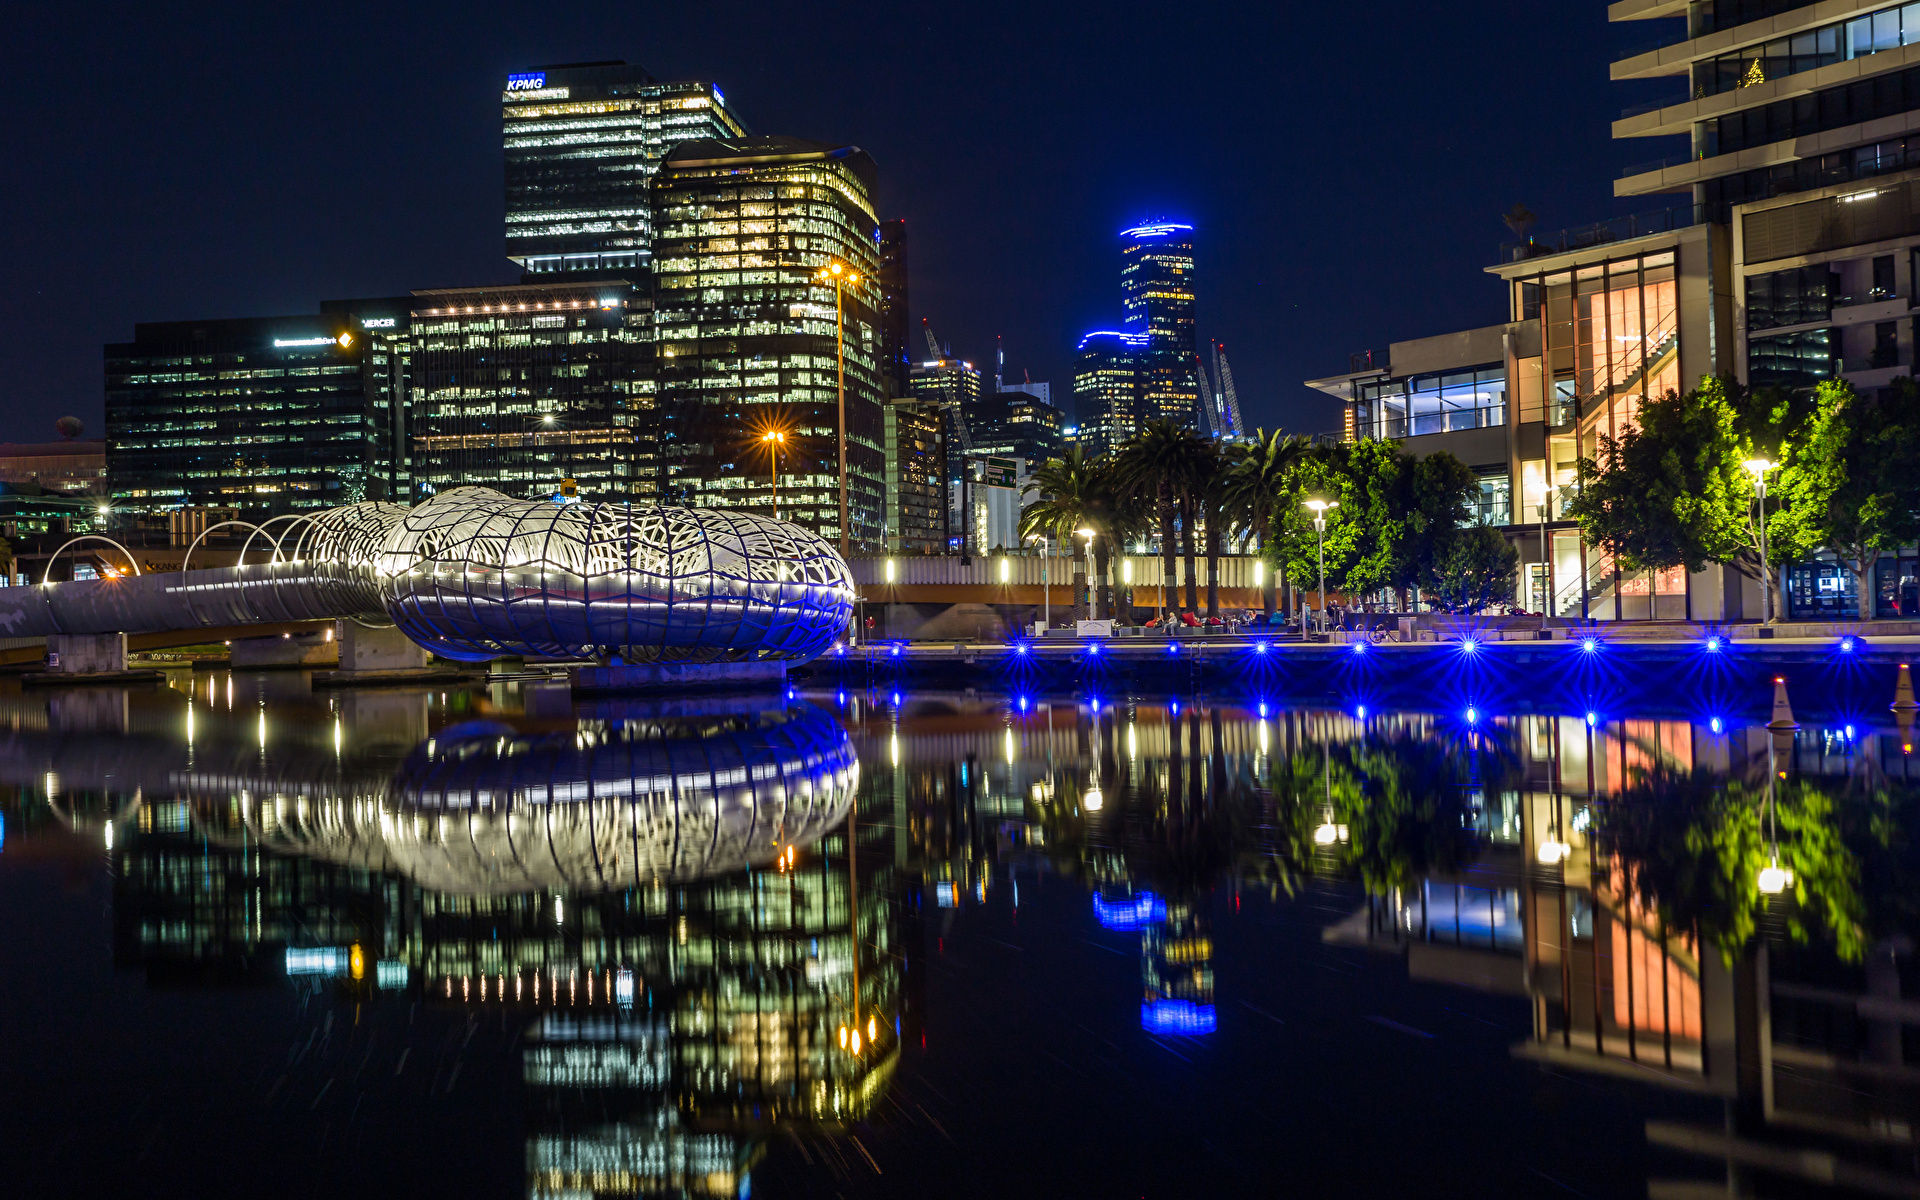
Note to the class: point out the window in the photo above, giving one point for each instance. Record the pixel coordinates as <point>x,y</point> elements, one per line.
<point>1794,360</point>
<point>1795,297</point>
<point>1886,95</point>
<point>1882,278</point>
<point>1470,398</point>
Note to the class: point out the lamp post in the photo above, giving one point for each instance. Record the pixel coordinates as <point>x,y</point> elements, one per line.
<point>1320,508</point>
<point>1760,467</point>
<point>1093,589</point>
<point>774,439</point>
<point>840,275</point>
<point>1546,562</point>
<point>1046,593</point>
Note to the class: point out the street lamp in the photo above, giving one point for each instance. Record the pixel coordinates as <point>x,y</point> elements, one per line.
<point>1093,607</point>
<point>1046,592</point>
<point>1320,508</point>
<point>774,439</point>
<point>840,275</point>
<point>1760,467</point>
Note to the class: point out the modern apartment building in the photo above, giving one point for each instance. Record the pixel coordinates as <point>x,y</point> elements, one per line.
<point>520,388</point>
<point>1786,255</point>
<point>749,338</point>
<point>1157,299</point>
<point>582,142</point>
<point>956,385</point>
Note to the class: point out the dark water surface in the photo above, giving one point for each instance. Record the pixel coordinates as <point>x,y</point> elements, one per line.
<point>267,941</point>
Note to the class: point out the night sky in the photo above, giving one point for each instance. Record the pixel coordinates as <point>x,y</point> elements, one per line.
<point>1345,165</point>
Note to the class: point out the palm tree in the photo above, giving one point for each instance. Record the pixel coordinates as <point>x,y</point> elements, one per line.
<point>1161,463</point>
<point>1205,495</point>
<point>1066,487</point>
<point>1117,515</point>
<point>1259,484</point>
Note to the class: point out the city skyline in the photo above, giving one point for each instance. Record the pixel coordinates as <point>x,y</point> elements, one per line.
<point>423,207</point>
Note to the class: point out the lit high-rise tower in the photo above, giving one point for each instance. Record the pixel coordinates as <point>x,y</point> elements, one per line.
<point>1157,298</point>
<point>583,141</point>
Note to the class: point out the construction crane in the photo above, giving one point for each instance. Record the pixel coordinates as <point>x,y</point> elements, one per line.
<point>1228,402</point>
<point>955,406</point>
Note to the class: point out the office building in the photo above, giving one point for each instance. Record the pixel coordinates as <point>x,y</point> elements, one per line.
<point>1017,424</point>
<point>582,143</point>
<point>63,468</point>
<point>956,386</point>
<point>1788,258</point>
<point>916,441</point>
<point>748,336</point>
<point>265,414</point>
<point>1157,299</point>
<point>520,388</point>
<point>1108,390</point>
<point>894,353</point>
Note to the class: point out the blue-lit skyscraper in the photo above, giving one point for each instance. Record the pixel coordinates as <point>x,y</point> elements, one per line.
<point>1156,289</point>
<point>1107,389</point>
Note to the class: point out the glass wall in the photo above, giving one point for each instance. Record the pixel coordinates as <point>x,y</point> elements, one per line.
<point>1793,360</point>
<point>1470,398</point>
<point>1610,334</point>
<point>1888,29</point>
<point>1888,95</point>
<point>1794,297</point>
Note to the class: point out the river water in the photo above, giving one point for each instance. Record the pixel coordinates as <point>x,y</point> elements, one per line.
<point>494,941</point>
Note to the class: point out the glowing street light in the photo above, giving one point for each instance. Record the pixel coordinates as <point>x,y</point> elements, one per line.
<point>840,276</point>
<point>774,439</point>
<point>1759,467</point>
<point>1320,509</point>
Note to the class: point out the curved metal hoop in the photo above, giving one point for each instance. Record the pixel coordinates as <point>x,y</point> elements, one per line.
<point>47,575</point>
<point>195,543</point>
<point>261,529</point>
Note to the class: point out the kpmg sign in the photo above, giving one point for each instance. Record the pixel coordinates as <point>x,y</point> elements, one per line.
<point>527,83</point>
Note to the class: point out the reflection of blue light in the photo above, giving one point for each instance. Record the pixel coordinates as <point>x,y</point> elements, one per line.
<point>1846,645</point>
<point>839,651</point>
<point>1023,704</point>
<point>1095,701</point>
<point>1849,733</point>
<point>3,831</point>
<point>963,774</point>
<point>1263,710</point>
<point>1473,716</point>
<point>841,697</point>
<point>324,960</point>
<point>1180,1017</point>
<point>1176,708</point>
<point>1592,720</point>
<point>1715,725</point>
<point>1361,712</point>
<point>1129,912</point>
<point>1713,645</point>
<point>896,699</point>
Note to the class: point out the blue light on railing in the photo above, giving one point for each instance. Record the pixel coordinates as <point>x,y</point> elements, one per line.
<point>1846,645</point>
<point>1181,1018</point>
<point>1259,647</point>
<point>1019,647</point>
<point>1093,649</point>
<point>1129,912</point>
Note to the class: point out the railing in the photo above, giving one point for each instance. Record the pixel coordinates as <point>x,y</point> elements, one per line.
<point>1672,39</point>
<point>1634,110</point>
<point>1874,296</point>
<point>1616,229</point>
<point>1658,164</point>
<point>1023,570</point>
<point>1879,360</point>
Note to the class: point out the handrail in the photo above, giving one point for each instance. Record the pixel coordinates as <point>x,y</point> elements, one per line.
<point>262,528</point>
<point>47,575</point>
<point>194,544</point>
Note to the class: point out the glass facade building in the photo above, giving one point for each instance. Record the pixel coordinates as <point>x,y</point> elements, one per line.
<point>266,415</point>
<point>917,474</point>
<point>893,309</point>
<point>520,388</point>
<point>746,333</point>
<point>1108,389</point>
<point>955,386</point>
<point>1157,299</point>
<point>582,144</point>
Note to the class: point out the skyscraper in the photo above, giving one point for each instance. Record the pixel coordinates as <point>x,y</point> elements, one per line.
<point>896,357</point>
<point>583,141</point>
<point>1157,298</point>
<point>747,334</point>
<point>1108,386</point>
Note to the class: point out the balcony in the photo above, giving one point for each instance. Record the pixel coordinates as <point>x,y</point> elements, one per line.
<point>1616,229</point>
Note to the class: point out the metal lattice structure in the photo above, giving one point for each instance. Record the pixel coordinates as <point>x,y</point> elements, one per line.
<point>492,811</point>
<point>472,575</point>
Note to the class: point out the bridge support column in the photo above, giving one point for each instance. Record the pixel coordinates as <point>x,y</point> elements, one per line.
<point>363,649</point>
<point>86,653</point>
<point>308,648</point>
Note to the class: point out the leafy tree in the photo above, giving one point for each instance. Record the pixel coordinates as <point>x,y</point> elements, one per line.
<point>1477,567</point>
<point>1851,481</point>
<point>1435,511</point>
<point>1673,490</point>
<point>1323,473</point>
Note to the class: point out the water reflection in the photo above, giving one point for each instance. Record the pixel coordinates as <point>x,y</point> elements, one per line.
<point>700,923</point>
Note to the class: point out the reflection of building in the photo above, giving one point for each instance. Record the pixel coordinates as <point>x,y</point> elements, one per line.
<point>747,334</point>
<point>582,144</point>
